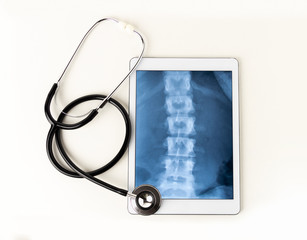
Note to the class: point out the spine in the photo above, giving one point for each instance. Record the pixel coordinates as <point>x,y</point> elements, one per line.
<point>177,180</point>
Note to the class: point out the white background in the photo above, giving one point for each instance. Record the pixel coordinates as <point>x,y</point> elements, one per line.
<point>268,37</point>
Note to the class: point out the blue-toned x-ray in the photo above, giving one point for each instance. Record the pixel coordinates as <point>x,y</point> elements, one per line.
<point>184,133</point>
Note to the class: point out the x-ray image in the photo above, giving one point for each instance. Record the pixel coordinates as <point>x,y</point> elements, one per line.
<point>184,133</point>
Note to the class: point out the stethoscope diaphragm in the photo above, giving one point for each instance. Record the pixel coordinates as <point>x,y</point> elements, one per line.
<point>145,200</point>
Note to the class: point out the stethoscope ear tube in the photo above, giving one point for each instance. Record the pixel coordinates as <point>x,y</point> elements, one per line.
<point>61,125</point>
<point>91,114</point>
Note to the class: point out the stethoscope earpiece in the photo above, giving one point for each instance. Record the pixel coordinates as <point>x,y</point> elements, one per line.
<point>145,200</point>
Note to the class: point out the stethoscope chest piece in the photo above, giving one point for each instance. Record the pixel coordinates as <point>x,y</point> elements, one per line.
<point>146,200</point>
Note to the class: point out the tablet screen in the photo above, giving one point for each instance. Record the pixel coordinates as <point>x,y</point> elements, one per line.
<point>184,134</point>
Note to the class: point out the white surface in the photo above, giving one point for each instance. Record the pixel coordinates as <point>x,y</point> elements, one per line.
<point>190,206</point>
<point>268,37</point>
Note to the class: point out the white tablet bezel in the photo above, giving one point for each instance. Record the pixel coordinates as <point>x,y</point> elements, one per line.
<point>190,206</point>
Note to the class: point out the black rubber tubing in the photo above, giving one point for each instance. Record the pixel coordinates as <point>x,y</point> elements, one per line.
<point>62,125</point>
<point>55,132</point>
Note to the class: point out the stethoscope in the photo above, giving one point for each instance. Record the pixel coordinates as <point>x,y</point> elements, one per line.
<point>144,199</point>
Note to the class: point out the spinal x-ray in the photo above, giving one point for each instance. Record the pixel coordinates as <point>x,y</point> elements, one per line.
<point>184,133</point>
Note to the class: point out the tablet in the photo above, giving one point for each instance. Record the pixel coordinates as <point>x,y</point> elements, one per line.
<point>185,133</point>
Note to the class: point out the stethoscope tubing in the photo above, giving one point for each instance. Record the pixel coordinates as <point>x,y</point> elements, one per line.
<point>76,172</point>
<point>61,125</point>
